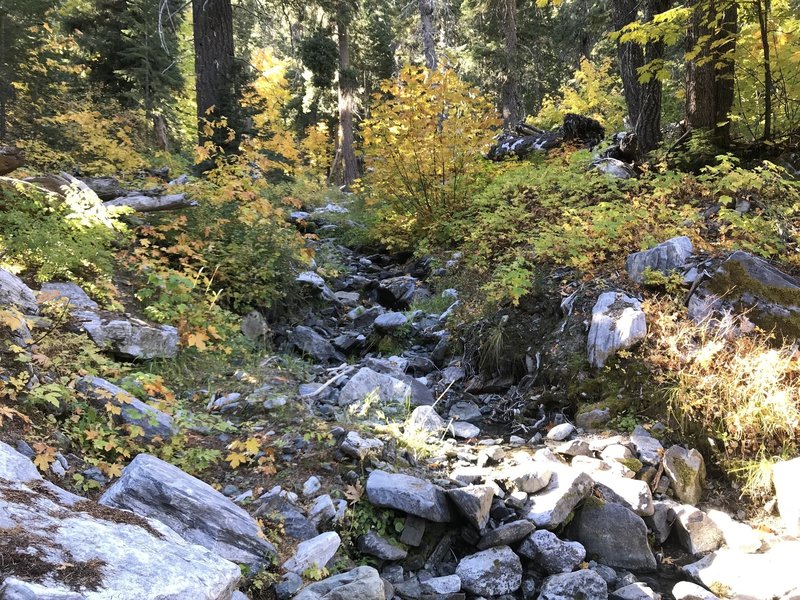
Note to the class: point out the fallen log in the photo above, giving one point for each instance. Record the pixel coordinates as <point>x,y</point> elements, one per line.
<point>10,158</point>
<point>152,203</point>
<point>106,188</point>
<point>528,139</point>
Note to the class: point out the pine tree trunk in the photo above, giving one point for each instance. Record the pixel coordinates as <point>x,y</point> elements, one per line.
<point>630,57</point>
<point>510,91</point>
<point>428,34</point>
<point>763,10</point>
<point>214,62</point>
<point>648,124</point>
<point>346,99</point>
<point>725,76</point>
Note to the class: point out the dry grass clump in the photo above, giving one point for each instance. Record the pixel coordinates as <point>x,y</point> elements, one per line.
<point>732,380</point>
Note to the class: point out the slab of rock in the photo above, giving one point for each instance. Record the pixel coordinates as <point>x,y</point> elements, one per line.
<point>316,282</point>
<point>14,292</point>
<point>686,590</point>
<point>127,337</point>
<point>312,344</point>
<point>785,475</point>
<point>450,584</point>
<point>585,584</point>
<point>552,505</point>
<point>69,292</point>
<point>766,576</point>
<point>749,285</point>
<point>200,514</point>
<point>738,536</point>
<point>72,541</point>
<point>397,292</point>
<point>425,420</point>
<point>631,493</point>
<point>474,503</point>
<point>662,519</point>
<point>463,430</point>
<point>390,389</point>
<point>389,322</point>
<point>636,591</point>
<point>362,583</point>
<point>134,412</point>
<point>618,323</point>
<point>492,572</point>
<point>613,535</point>
<point>314,553</point>
<point>696,531</point>
<point>687,472</point>
<point>374,545</point>
<point>595,418</point>
<point>282,512</point>
<point>648,448</point>
<point>408,494</point>
<point>358,447</point>
<point>506,535</point>
<point>555,555</point>
<point>364,317</point>
<point>665,258</point>
<point>529,477</point>
<point>560,432</point>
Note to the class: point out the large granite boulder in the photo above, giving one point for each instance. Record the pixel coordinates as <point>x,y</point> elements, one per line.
<point>57,545</point>
<point>127,337</point>
<point>132,411</point>
<point>614,535</point>
<point>749,285</point>
<point>200,514</point>
<point>408,494</point>
<point>14,292</point>
<point>492,572</point>
<point>665,258</point>
<point>391,389</point>
<point>618,323</point>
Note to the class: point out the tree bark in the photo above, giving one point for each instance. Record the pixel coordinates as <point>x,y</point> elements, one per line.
<point>630,57</point>
<point>214,62</point>
<point>763,10</point>
<point>346,99</point>
<point>510,91</point>
<point>648,124</point>
<point>428,33</point>
<point>725,76</point>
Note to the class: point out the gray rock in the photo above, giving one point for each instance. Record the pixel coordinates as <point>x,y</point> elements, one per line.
<point>450,584</point>
<point>358,447</point>
<point>766,576</point>
<point>585,584</point>
<point>560,432</point>
<point>154,423</point>
<point>425,420</point>
<point>312,344</point>
<point>529,477</point>
<point>397,292</point>
<point>365,317</point>
<point>129,338</point>
<point>465,411</point>
<point>14,292</point>
<point>348,298</point>
<point>613,167</point>
<point>390,389</point>
<point>69,292</point>
<point>506,535</point>
<point>785,475</point>
<point>696,531</point>
<point>200,514</point>
<point>322,511</point>
<point>348,342</point>
<point>492,572</point>
<point>665,258</point>
<point>294,523</point>
<point>593,419</point>
<point>452,375</point>
<point>577,447</point>
<point>631,493</point>
<point>662,519</point>
<point>408,494</point>
<point>474,503</point>
<point>288,587</point>
<point>614,535</point>
<point>311,486</point>
<point>463,430</point>
<point>314,553</point>
<point>316,282</point>
<point>413,531</point>
<point>687,471</point>
<point>362,583</point>
<point>374,545</point>
<point>648,448</point>
<point>389,322</point>
<point>555,555</point>
<point>618,323</point>
<point>686,590</point>
<point>566,489</point>
<point>636,591</point>
<point>738,536</point>
<point>141,559</point>
<point>255,327</point>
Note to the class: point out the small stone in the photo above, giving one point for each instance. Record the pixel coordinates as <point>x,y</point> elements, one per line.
<point>465,411</point>
<point>560,432</point>
<point>636,591</point>
<point>424,419</point>
<point>413,531</point>
<point>322,511</point>
<point>408,494</point>
<point>555,555</point>
<point>314,553</point>
<point>390,322</point>
<point>359,447</point>
<point>506,535</point>
<point>311,486</point>
<point>696,531</point>
<point>289,585</point>
<point>585,584</point>
<point>450,584</point>
<point>686,590</point>
<point>593,419</point>
<point>474,503</point>
<point>463,430</point>
<point>647,447</point>
<point>492,572</point>
<point>490,455</point>
<point>551,506</point>
<point>374,545</point>
<point>618,323</point>
<point>362,583</point>
<point>530,477</point>
<point>687,471</point>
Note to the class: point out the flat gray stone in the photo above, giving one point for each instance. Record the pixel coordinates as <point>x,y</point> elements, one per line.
<point>687,472</point>
<point>193,509</point>
<point>474,503</point>
<point>389,322</point>
<point>463,430</point>
<point>555,555</point>
<point>552,505</point>
<point>127,337</point>
<point>425,420</point>
<point>618,323</point>
<point>314,553</point>
<point>373,544</point>
<point>560,432</point>
<point>506,535</point>
<point>16,467</point>
<point>696,531</point>
<point>362,583</point>
<point>408,494</point>
<point>529,477</point>
<point>686,590</point>
<point>389,389</point>
<point>450,584</point>
<point>312,344</point>
<point>14,292</point>
<point>634,494</point>
<point>585,584</point>
<point>665,258</point>
<point>71,293</point>
<point>358,447</point>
